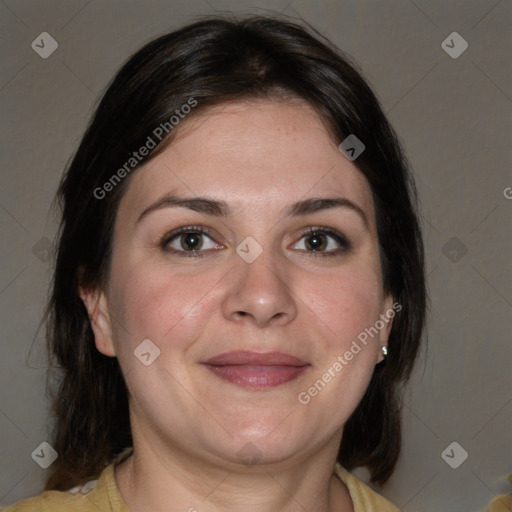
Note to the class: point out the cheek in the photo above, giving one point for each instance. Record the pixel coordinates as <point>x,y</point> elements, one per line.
<point>342,305</point>
<point>167,308</point>
<point>345,303</point>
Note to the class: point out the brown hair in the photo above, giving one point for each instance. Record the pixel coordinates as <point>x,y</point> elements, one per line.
<point>217,60</point>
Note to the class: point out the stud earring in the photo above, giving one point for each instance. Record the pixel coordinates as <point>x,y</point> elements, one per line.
<point>384,351</point>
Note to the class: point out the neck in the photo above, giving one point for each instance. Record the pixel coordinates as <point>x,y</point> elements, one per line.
<point>147,480</point>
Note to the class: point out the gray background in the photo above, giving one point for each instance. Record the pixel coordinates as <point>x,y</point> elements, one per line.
<point>454,117</point>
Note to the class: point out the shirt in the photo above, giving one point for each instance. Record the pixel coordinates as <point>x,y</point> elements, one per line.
<point>103,495</point>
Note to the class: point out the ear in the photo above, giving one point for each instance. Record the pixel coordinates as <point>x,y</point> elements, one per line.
<point>96,304</point>
<point>390,308</point>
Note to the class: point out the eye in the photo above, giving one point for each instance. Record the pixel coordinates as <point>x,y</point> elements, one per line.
<point>194,241</point>
<point>323,242</point>
<point>189,241</point>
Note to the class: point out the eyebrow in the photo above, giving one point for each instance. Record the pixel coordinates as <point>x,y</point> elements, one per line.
<point>221,208</point>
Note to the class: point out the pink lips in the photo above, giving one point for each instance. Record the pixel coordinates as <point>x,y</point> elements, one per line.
<point>256,371</point>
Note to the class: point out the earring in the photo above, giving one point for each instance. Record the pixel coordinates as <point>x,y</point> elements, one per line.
<point>384,351</point>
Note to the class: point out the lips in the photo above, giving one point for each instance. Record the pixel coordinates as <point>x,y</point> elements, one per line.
<point>253,370</point>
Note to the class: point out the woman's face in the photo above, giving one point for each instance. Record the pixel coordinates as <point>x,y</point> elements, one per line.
<point>247,282</point>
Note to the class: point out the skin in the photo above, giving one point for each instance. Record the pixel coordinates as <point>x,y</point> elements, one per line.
<point>188,424</point>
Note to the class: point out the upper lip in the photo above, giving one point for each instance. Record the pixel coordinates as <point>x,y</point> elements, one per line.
<point>246,357</point>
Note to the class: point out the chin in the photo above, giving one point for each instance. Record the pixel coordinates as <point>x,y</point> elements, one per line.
<point>263,444</point>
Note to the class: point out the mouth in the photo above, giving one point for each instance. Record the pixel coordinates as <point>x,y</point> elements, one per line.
<point>253,370</point>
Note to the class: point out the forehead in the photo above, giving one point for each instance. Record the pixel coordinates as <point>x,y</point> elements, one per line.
<point>260,155</point>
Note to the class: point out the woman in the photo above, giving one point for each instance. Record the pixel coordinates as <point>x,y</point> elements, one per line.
<point>239,290</point>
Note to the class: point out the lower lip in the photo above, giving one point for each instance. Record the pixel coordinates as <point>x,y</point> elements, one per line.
<point>257,377</point>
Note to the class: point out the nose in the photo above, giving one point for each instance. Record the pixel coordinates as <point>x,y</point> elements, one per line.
<point>260,292</point>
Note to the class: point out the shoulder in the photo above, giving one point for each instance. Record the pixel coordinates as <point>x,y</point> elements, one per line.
<point>48,501</point>
<point>52,501</point>
<point>364,498</point>
<point>93,496</point>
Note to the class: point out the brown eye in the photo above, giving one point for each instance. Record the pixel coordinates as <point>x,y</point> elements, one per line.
<point>323,242</point>
<point>316,242</point>
<point>189,241</point>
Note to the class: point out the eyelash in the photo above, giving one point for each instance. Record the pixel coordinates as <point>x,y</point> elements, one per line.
<point>198,230</point>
